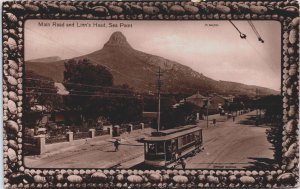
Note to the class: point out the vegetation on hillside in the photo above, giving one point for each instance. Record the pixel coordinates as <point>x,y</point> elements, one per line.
<point>40,93</point>
<point>92,90</point>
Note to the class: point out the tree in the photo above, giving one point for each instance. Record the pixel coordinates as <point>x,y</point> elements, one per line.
<point>84,72</point>
<point>151,102</point>
<point>40,97</point>
<point>184,114</point>
<point>92,91</point>
<point>272,106</point>
<point>117,109</point>
<point>84,79</point>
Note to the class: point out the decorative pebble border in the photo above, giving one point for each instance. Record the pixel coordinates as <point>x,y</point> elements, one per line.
<point>15,14</point>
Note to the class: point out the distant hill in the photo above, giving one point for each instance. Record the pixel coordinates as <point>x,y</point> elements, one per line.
<point>46,59</point>
<point>138,70</point>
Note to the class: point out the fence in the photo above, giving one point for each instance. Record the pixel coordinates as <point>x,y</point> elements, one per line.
<point>36,145</point>
<point>81,135</point>
<point>56,139</point>
<point>30,140</point>
<point>123,129</point>
<point>147,125</point>
<point>30,145</point>
<point>137,127</point>
<point>101,132</point>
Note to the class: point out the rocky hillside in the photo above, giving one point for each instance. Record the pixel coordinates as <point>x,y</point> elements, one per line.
<point>138,69</point>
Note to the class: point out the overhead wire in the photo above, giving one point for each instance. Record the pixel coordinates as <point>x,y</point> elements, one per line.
<point>255,31</point>
<point>257,52</point>
<point>242,35</point>
<point>79,84</point>
<point>73,91</point>
<point>91,95</point>
<point>164,92</point>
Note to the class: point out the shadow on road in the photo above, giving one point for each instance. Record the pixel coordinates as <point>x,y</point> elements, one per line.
<point>251,121</point>
<point>110,151</point>
<point>143,166</point>
<point>261,163</point>
<point>273,135</point>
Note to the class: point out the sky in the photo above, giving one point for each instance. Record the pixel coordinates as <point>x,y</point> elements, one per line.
<point>213,48</point>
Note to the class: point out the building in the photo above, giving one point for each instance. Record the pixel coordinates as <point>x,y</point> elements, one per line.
<point>218,101</point>
<point>197,99</point>
<point>229,98</point>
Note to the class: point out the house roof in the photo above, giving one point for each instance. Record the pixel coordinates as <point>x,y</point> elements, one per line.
<point>61,89</point>
<point>196,96</point>
<point>39,108</point>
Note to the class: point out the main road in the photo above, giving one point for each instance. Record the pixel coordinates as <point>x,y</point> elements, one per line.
<point>228,144</point>
<point>234,144</point>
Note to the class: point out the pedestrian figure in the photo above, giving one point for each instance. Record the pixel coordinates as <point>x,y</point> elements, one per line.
<point>214,122</point>
<point>183,163</point>
<point>129,130</point>
<point>116,143</point>
<point>233,118</point>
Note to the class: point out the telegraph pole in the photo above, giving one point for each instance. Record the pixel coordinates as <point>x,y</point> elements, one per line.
<point>256,102</point>
<point>207,101</point>
<point>159,83</point>
<point>207,114</point>
<point>256,95</point>
<point>207,110</point>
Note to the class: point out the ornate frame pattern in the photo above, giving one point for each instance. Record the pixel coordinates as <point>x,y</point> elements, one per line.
<point>15,14</point>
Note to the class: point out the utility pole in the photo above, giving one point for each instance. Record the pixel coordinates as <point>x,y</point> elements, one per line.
<point>207,114</point>
<point>159,83</point>
<point>207,101</point>
<point>257,110</point>
<point>256,97</point>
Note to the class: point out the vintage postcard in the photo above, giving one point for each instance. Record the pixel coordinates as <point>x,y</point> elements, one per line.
<point>150,94</point>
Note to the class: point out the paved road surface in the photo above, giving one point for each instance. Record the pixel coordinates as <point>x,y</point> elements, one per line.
<point>98,153</point>
<point>238,142</point>
<point>225,143</point>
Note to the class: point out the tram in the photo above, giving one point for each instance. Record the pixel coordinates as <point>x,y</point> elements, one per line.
<point>165,148</point>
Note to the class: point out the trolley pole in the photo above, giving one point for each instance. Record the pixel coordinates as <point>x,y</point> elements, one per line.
<point>159,83</point>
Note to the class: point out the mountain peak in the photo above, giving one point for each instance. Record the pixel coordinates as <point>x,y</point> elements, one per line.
<point>117,39</point>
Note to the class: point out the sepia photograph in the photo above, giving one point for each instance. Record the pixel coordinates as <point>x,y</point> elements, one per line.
<point>152,95</point>
<point>164,94</point>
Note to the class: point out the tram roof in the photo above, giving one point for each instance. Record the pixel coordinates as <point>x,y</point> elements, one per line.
<point>171,131</point>
<point>171,136</point>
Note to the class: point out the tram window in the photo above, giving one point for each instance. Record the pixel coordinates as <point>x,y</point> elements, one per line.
<point>184,140</point>
<point>174,145</point>
<point>168,146</point>
<point>154,148</point>
<point>160,147</point>
<point>189,138</point>
<point>151,148</point>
